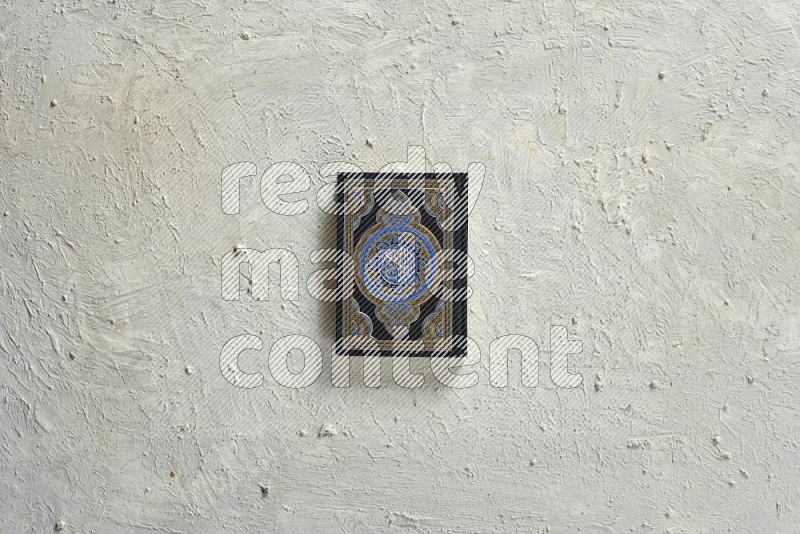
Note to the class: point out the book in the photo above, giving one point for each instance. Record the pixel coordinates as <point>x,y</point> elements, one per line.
<point>402,282</point>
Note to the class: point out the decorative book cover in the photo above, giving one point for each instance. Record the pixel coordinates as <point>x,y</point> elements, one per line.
<point>402,287</point>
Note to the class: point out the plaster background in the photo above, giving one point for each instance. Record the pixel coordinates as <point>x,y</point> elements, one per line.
<point>656,216</point>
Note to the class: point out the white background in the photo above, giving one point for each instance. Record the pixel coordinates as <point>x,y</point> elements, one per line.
<point>655,216</point>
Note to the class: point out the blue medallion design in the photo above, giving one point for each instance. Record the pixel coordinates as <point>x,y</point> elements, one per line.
<point>397,264</point>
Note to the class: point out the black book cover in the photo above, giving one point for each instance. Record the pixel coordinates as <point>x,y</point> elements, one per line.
<point>402,282</point>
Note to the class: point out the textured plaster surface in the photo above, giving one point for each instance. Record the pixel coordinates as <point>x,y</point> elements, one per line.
<point>641,189</point>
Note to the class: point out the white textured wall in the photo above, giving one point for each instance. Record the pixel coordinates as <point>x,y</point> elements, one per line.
<point>642,189</point>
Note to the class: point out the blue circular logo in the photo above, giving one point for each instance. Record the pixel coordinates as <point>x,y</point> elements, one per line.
<point>397,264</point>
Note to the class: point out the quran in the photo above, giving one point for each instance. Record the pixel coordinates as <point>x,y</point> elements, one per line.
<point>402,281</point>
